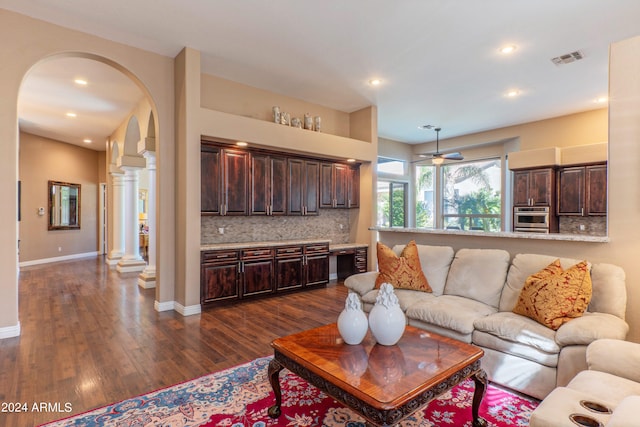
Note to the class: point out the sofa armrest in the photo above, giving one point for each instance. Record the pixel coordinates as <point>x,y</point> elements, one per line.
<point>361,283</point>
<point>590,327</point>
<point>616,357</point>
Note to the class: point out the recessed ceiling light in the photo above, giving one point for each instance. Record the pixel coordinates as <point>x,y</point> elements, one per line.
<point>512,93</point>
<point>72,115</point>
<point>87,141</point>
<point>375,82</point>
<point>351,160</point>
<point>601,100</point>
<point>241,144</point>
<point>506,50</point>
<point>81,82</point>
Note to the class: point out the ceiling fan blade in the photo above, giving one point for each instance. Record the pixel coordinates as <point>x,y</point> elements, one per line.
<point>453,156</point>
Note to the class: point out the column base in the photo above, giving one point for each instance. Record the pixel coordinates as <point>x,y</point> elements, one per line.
<point>147,279</point>
<point>113,258</point>
<point>130,265</point>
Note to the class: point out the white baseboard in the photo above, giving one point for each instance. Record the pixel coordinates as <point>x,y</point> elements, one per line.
<point>56,259</point>
<point>10,331</point>
<point>163,306</point>
<point>172,305</point>
<point>188,310</point>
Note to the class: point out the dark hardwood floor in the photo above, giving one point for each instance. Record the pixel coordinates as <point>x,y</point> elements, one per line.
<point>90,337</point>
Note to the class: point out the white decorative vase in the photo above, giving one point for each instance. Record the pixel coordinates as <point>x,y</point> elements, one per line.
<point>352,322</point>
<point>386,319</point>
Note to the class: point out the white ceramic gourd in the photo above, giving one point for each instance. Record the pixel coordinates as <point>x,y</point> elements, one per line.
<point>352,322</point>
<point>386,319</point>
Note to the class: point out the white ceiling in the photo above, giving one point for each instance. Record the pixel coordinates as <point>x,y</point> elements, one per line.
<point>438,59</point>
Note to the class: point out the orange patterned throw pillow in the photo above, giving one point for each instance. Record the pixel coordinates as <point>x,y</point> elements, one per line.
<point>554,296</point>
<point>404,271</point>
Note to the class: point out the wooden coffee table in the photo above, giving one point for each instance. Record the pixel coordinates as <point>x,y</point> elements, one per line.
<point>384,384</point>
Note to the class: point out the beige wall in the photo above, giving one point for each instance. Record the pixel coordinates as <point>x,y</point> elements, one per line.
<point>41,160</point>
<point>32,41</point>
<point>584,128</point>
<point>235,98</point>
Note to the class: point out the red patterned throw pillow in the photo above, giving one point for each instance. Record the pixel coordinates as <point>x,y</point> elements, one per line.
<point>554,296</point>
<point>404,271</point>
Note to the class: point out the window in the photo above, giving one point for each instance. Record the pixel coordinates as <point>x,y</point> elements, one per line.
<point>390,166</point>
<point>425,196</point>
<point>391,204</point>
<point>471,195</point>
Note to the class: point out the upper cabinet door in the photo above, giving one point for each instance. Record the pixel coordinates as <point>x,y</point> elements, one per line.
<point>571,188</point>
<point>521,184</point>
<point>259,184</point>
<point>235,171</point>
<point>210,182</point>
<point>596,182</point>
<point>278,184</point>
<point>542,187</point>
<point>340,177</point>
<point>311,190</point>
<point>353,187</point>
<point>326,185</point>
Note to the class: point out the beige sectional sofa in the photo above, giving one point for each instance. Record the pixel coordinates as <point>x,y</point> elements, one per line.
<point>474,293</point>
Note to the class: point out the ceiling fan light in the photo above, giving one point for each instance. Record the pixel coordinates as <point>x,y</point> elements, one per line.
<point>437,160</point>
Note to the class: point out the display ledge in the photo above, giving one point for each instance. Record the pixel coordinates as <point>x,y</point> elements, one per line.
<point>501,234</point>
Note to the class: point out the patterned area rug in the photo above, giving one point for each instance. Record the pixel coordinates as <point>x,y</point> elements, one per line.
<point>241,396</point>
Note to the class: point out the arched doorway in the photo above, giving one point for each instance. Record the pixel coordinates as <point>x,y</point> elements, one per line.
<point>78,71</point>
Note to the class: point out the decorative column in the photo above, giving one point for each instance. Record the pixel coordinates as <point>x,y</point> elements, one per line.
<point>147,278</point>
<point>131,260</point>
<point>117,212</point>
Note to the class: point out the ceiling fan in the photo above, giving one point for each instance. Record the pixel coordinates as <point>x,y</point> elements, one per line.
<point>438,158</point>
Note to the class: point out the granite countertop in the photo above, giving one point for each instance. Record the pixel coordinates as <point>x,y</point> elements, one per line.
<point>242,245</point>
<point>343,246</point>
<point>501,234</point>
<point>273,243</point>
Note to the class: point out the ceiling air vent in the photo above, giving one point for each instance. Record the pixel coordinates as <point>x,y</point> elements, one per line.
<point>567,58</point>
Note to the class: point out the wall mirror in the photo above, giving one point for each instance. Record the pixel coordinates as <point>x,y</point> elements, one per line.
<point>64,205</point>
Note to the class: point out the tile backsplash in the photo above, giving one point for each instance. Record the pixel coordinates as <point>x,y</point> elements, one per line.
<point>593,225</point>
<point>330,224</point>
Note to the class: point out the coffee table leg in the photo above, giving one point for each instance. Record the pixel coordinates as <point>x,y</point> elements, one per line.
<point>480,380</point>
<point>274,378</point>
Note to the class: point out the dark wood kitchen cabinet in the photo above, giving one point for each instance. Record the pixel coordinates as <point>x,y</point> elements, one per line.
<point>268,184</point>
<point>289,267</point>
<point>224,181</point>
<point>219,275</point>
<point>534,187</point>
<point>339,185</point>
<point>257,270</point>
<point>582,190</point>
<point>353,187</point>
<point>303,195</point>
<point>316,260</point>
<point>251,272</point>
<point>210,180</point>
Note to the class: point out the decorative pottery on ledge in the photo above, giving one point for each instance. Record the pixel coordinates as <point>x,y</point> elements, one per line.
<point>352,322</point>
<point>386,319</point>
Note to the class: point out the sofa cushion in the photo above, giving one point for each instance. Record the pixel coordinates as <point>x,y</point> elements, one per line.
<point>435,262</point>
<point>450,311</point>
<point>361,283</point>
<point>406,297</point>
<point>401,271</point>
<point>516,349</point>
<point>590,327</point>
<point>478,274</point>
<point>604,387</point>
<point>626,412</point>
<point>554,297</point>
<point>523,266</point>
<point>609,290</point>
<point>514,328</point>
